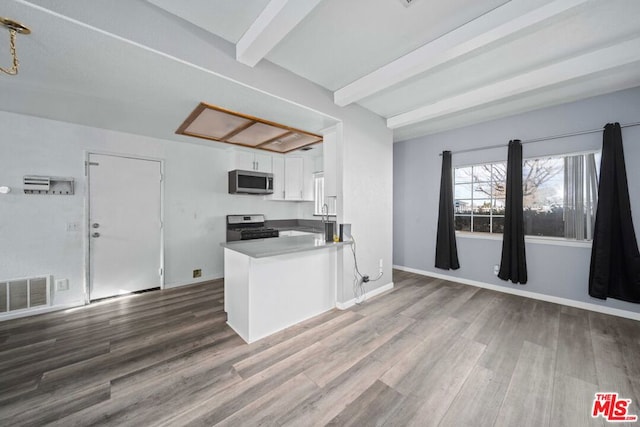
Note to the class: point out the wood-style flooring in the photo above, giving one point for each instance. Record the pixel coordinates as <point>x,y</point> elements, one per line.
<point>428,353</point>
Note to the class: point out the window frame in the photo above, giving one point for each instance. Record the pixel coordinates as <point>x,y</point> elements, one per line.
<point>491,198</point>
<point>317,207</point>
<point>546,240</point>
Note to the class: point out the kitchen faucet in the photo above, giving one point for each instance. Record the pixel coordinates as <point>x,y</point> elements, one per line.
<point>325,207</point>
<point>328,226</point>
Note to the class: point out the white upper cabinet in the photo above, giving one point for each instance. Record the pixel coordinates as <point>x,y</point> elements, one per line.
<point>293,175</point>
<point>278,178</point>
<point>264,162</point>
<point>293,178</point>
<point>252,161</point>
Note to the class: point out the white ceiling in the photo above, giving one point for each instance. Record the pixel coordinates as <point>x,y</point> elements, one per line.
<point>429,67</point>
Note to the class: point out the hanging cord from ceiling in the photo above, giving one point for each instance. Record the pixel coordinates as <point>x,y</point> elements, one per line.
<point>14,28</point>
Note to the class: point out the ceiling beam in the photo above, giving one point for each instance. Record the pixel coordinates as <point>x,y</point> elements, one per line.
<point>277,19</point>
<point>498,24</point>
<point>584,65</point>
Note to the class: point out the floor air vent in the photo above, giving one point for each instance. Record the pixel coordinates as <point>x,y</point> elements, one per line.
<point>24,294</point>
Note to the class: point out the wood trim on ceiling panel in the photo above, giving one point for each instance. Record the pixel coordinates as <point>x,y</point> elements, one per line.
<point>269,141</point>
<point>266,145</point>
<point>258,134</point>
<point>238,130</point>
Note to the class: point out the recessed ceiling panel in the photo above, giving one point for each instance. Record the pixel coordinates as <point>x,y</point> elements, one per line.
<point>257,134</point>
<point>214,124</point>
<point>291,142</point>
<point>218,124</point>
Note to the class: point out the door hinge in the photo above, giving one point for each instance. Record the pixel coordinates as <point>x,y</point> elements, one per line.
<point>161,271</point>
<point>161,177</point>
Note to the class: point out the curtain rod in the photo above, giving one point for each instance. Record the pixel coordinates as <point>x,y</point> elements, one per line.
<point>546,138</point>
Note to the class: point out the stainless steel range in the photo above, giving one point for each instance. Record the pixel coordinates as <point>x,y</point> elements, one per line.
<point>246,227</point>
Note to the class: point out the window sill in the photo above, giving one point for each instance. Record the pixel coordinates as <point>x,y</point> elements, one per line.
<point>554,241</point>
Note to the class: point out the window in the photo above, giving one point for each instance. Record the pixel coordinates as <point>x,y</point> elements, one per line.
<point>319,197</point>
<point>479,194</point>
<point>560,196</point>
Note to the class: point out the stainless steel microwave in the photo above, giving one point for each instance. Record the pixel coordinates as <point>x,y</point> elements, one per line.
<point>250,182</point>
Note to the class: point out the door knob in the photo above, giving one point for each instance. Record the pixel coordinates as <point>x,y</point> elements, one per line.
<point>95,225</point>
<point>95,235</point>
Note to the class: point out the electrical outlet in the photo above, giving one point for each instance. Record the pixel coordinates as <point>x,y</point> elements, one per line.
<point>197,273</point>
<point>62,285</point>
<point>496,269</point>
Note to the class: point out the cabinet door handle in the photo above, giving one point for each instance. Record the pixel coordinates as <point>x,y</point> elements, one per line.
<point>301,194</point>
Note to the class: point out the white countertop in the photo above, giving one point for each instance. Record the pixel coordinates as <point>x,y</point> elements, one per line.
<point>261,248</point>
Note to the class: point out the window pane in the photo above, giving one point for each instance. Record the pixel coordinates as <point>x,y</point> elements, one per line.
<point>462,175</point>
<point>543,188</point>
<point>498,224</point>
<point>499,189</point>
<point>482,191</point>
<point>462,206</point>
<point>544,223</point>
<point>482,173</point>
<point>499,172</point>
<point>482,224</point>
<point>463,223</point>
<point>482,207</point>
<point>543,182</point>
<point>498,206</point>
<point>462,191</point>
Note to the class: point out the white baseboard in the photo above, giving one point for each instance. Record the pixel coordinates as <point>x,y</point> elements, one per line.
<point>40,310</point>
<point>191,282</point>
<point>372,293</point>
<point>534,295</point>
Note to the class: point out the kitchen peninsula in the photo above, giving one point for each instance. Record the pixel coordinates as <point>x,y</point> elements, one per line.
<point>271,284</point>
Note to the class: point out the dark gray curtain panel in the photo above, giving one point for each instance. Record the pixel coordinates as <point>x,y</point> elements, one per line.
<point>446,249</point>
<point>513,263</point>
<point>615,260</point>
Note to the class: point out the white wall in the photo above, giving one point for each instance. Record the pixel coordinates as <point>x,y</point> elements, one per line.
<point>367,200</point>
<point>365,172</point>
<point>553,270</point>
<point>33,228</point>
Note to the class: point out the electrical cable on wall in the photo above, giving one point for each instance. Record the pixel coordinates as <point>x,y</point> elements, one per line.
<point>359,279</point>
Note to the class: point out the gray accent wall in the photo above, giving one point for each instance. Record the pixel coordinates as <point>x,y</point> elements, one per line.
<point>555,270</point>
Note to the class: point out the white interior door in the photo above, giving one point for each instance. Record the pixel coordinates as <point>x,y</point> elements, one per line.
<point>125,227</point>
